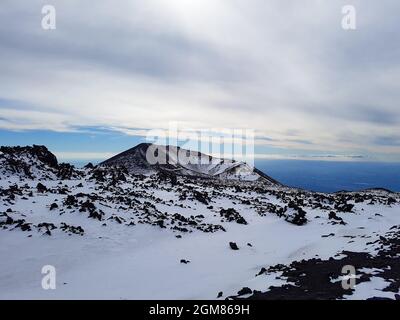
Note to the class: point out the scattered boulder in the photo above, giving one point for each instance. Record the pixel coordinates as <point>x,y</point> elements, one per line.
<point>295,214</point>
<point>185,261</point>
<point>41,188</point>
<point>244,291</point>
<point>232,215</point>
<point>201,197</point>
<point>333,216</point>
<point>53,206</point>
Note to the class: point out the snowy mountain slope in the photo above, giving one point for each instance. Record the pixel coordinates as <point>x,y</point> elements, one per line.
<point>183,162</point>
<point>112,234</point>
<point>35,162</point>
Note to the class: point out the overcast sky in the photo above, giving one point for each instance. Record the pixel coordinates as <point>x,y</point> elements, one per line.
<point>285,69</point>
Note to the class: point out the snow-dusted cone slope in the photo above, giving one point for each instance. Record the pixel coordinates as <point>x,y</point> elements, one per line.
<point>146,158</point>
<point>128,229</point>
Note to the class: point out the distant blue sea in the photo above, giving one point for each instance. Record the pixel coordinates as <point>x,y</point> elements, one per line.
<point>329,176</point>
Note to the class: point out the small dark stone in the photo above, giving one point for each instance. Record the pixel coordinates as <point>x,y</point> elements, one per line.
<point>232,215</point>
<point>41,188</point>
<point>262,271</point>
<point>233,246</point>
<point>244,291</point>
<point>89,166</point>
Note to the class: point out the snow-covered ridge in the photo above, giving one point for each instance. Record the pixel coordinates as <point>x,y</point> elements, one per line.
<point>117,234</point>
<point>195,164</point>
<point>32,162</point>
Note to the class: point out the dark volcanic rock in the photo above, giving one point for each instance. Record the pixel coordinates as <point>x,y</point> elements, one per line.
<point>244,291</point>
<point>313,278</point>
<point>26,160</point>
<point>232,215</point>
<point>53,206</point>
<point>201,197</point>
<point>41,188</point>
<point>89,166</point>
<point>72,229</point>
<point>344,207</point>
<point>333,216</point>
<point>298,215</point>
<point>185,261</point>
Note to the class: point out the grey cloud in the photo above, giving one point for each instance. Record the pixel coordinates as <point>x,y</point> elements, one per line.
<point>358,113</point>
<point>301,141</point>
<point>285,68</point>
<point>264,138</point>
<point>393,141</point>
<point>110,44</point>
